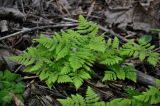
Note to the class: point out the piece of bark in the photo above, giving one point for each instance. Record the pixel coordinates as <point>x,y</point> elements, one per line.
<point>3,26</point>
<point>146,79</point>
<point>11,14</point>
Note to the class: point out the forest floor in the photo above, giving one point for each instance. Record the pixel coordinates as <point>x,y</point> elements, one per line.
<point>22,21</point>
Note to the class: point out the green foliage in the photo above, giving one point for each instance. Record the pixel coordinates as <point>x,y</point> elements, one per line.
<point>91,99</point>
<point>10,84</point>
<point>151,96</point>
<point>67,57</point>
<point>120,72</point>
<point>143,50</point>
<point>111,55</point>
<point>114,61</point>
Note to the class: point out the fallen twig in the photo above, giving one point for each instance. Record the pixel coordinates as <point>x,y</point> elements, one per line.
<point>25,30</point>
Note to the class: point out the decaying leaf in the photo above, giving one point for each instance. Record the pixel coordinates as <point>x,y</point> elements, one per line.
<point>135,16</point>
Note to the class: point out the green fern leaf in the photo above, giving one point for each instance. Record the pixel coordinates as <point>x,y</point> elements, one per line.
<point>120,74</point>
<point>52,79</point>
<point>43,75</point>
<point>79,77</point>
<point>91,96</point>
<point>66,69</point>
<point>64,79</point>
<point>115,43</point>
<point>119,102</point>
<point>109,42</point>
<point>36,67</point>
<point>109,75</point>
<point>46,42</point>
<point>66,102</point>
<point>142,55</point>
<point>75,100</point>
<point>130,73</point>
<point>75,62</point>
<point>62,53</point>
<point>152,96</point>
<point>153,58</point>
<point>78,81</point>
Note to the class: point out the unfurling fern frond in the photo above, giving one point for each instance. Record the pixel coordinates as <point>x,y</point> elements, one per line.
<point>151,96</point>
<point>120,72</point>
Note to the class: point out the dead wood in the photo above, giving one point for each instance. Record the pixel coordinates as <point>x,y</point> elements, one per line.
<point>146,79</point>
<point>11,14</point>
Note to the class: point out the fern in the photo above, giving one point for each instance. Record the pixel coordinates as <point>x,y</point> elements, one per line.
<point>151,96</point>
<point>91,99</point>
<point>143,50</point>
<point>120,72</point>
<point>67,57</point>
<point>111,55</point>
<point>114,61</point>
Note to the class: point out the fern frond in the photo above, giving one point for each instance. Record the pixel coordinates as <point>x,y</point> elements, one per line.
<point>74,100</point>
<point>120,72</point>
<point>152,96</point>
<point>111,60</point>
<point>115,44</point>
<point>64,79</point>
<point>153,58</point>
<point>91,97</point>
<point>130,73</point>
<point>111,54</point>
<point>49,43</point>
<point>97,44</point>
<point>76,62</point>
<point>52,78</point>
<point>79,77</point>
<point>87,28</point>
<point>142,50</point>
<point>119,102</point>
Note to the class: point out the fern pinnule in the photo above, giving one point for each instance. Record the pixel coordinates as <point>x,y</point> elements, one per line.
<point>46,42</point>
<point>79,77</point>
